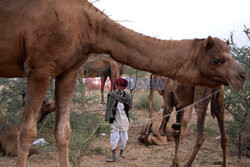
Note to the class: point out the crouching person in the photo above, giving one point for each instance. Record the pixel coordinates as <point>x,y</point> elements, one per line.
<point>117,113</point>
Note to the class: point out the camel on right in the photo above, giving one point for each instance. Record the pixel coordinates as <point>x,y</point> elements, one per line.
<point>180,96</point>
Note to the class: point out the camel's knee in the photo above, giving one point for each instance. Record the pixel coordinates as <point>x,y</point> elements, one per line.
<point>63,136</point>
<point>26,138</point>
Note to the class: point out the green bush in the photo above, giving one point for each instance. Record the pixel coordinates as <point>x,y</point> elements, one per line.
<point>142,102</point>
<point>238,103</point>
<point>12,98</point>
<point>86,127</point>
<point>209,128</point>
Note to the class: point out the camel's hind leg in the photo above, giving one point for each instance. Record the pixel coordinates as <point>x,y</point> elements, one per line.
<point>220,118</point>
<point>201,111</point>
<point>184,124</point>
<point>150,99</point>
<point>114,74</point>
<point>103,80</point>
<point>218,107</point>
<point>38,83</point>
<point>156,140</point>
<point>65,85</point>
<point>167,110</point>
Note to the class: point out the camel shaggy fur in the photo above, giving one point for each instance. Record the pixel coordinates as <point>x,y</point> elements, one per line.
<point>45,40</point>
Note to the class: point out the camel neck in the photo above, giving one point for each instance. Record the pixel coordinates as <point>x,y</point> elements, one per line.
<point>162,57</point>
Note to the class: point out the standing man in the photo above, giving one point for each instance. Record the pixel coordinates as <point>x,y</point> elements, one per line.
<point>117,113</point>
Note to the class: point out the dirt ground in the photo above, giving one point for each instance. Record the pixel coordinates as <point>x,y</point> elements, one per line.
<point>139,155</point>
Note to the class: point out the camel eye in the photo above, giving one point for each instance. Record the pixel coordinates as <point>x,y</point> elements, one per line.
<point>216,61</point>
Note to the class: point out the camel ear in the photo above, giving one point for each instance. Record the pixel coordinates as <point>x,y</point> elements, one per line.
<point>227,42</point>
<point>209,42</point>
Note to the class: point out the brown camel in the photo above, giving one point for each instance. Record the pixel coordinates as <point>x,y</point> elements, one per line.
<point>43,40</point>
<point>9,132</point>
<point>101,66</point>
<point>8,139</point>
<point>180,96</point>
<point>149,133</point>
<point>159,83</point>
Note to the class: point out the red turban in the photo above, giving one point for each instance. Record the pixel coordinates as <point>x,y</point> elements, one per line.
<point>121,82</point>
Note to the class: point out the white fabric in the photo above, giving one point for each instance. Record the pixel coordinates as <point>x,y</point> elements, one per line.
<point>117,135</point>
<point>121,122</point>
<point>161,110</point>
<point>40,142</point>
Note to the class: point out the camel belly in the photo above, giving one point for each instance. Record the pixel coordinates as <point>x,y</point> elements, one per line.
<point>11,63</point>
<point>13,71</point>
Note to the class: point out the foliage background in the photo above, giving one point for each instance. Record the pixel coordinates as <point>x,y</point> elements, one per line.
<point>238,103</point>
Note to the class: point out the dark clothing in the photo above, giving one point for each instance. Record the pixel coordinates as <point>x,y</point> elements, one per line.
<point>112,100</point>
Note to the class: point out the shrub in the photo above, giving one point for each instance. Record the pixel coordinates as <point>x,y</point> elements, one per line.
<point>85,129</point>
<point>238,103</point>
<point>142,102</point>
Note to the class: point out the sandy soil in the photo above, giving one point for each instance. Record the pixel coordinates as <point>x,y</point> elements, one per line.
<point>138,155</point>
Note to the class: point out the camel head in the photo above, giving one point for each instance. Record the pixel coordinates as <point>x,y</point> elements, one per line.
<point>218,67</point>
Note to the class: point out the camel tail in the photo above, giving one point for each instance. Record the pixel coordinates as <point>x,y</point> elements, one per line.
<point>217,102</point>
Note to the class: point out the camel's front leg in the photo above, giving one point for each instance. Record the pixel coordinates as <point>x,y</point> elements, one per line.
<point>65,85</point>
<point>201,114</point>
<point>220,118</point>
<point>38,83</point>
<point>217,109</point>
<point>177,134</point>
<point>201,111</point>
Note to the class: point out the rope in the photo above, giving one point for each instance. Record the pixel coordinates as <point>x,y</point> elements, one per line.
<point>196,102</point>
<point>175,112</point>
<point>160,118</point>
